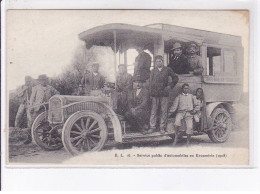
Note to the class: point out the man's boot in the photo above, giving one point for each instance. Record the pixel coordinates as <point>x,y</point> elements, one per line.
<point>176,136</point>
<point>29,137</point>
<point>188,139</point>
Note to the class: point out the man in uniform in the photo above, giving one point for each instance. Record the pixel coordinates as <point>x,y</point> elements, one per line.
<point>24,94</point>
<point>93,80</point>
<point>123,85</point>
<point>142,64</point>
<point>159,91</point>
<point>178,62</point>
<point>41,94</point>
<point>194,60</point>
<point>138,109</point>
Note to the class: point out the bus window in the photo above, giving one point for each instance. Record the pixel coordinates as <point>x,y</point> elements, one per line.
<point>229,62</point>
<point>214,65</point>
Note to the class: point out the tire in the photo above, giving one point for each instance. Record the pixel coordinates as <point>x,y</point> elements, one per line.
<point>45,136</point>
<point>221,126</point>
<point>83,129</point>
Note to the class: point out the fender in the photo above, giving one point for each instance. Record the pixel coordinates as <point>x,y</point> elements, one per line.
<point>83,105</point>
<point>211,106</point>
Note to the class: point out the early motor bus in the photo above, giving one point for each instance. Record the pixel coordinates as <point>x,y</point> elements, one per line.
<point>85,123</point>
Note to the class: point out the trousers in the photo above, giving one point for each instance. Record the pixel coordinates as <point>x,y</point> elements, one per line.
<point>159,104</point>
<point>188,118</point>
<point>19,119</point>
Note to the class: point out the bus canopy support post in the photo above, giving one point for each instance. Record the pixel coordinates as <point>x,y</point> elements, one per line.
<point>115,53</point>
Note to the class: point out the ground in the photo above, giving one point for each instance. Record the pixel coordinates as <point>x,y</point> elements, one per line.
<point>20,153</point>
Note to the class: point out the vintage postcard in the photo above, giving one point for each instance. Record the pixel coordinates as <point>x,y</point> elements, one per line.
<point>127,88</point>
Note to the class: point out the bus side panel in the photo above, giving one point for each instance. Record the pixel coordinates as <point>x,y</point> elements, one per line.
<point>217,92</point>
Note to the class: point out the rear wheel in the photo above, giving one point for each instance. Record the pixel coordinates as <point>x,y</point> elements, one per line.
<point>221,126</point>
<point>84,131</point>
<point>46,136</point>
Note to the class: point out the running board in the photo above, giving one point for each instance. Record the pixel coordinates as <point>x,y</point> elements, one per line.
<point>141,136</point>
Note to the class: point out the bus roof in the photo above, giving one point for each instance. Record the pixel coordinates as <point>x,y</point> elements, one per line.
<point>145,35</point>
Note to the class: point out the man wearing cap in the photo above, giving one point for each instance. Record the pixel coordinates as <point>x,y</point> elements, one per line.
<point>24,93</point>
<point>123,85</point>
<point>138,109</point>
<point>159,91</point>
<point>41,94</point>
<point>93,80</point>
<point>179,62</point>
<point>142,63</point>
<point>194,60</point>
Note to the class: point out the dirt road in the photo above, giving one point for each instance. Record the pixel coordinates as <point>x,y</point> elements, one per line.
<point>20,153</point>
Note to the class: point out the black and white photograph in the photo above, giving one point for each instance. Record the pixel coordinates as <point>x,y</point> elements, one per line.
<point>127,88</point>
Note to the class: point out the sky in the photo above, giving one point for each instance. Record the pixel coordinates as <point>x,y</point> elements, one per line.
<point>44,41</point>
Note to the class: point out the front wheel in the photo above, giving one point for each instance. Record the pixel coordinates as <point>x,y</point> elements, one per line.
<point>46,136</point>
<point>221,126</point>
<point>84,131</point>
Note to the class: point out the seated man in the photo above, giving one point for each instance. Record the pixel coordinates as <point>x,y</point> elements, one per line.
<point>194,60</point>
<point>138,109</point>
<point>184,105</point>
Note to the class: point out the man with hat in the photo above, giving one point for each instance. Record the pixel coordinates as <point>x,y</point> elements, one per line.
<point>24,93</point>
<point>178,62</point>
<point>194,60</point>
<point>41,94</point>
<point>93,80</point>
<point>142,63</point>
<point>124,84</point>
<point>138,109</point>
<point>159,91</point>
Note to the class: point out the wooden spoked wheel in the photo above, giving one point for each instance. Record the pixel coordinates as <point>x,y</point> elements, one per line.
<point>84,131</point>
<point>221,126</point>
<point>46,136</point>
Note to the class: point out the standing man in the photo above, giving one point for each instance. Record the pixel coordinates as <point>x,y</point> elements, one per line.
<point>41,94</point>
<point>185,107</point>
<point>159,90</point>
<point>93,80</point>
<point>179,62</point>
<point>24,94</point>
<point>194,60</point>
<point>124,84</point>
<point>142,64</point>
<point>138,109</point>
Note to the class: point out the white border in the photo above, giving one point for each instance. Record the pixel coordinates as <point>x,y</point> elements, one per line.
<point>192,179</point>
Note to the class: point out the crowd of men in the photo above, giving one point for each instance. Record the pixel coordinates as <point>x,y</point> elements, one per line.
<point>33,101</point>
<point>142,105</point>
<point>147,104</point>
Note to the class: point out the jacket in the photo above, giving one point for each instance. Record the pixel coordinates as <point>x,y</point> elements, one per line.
<point>179,64</point>
<point>41,95</point>
<point>140,102</point>
<point>124,82</point>
<point>143,65</point>
<point>93,82</point>
<point>159,80</point>
<point>24,93</point>
<point>195,64</point>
